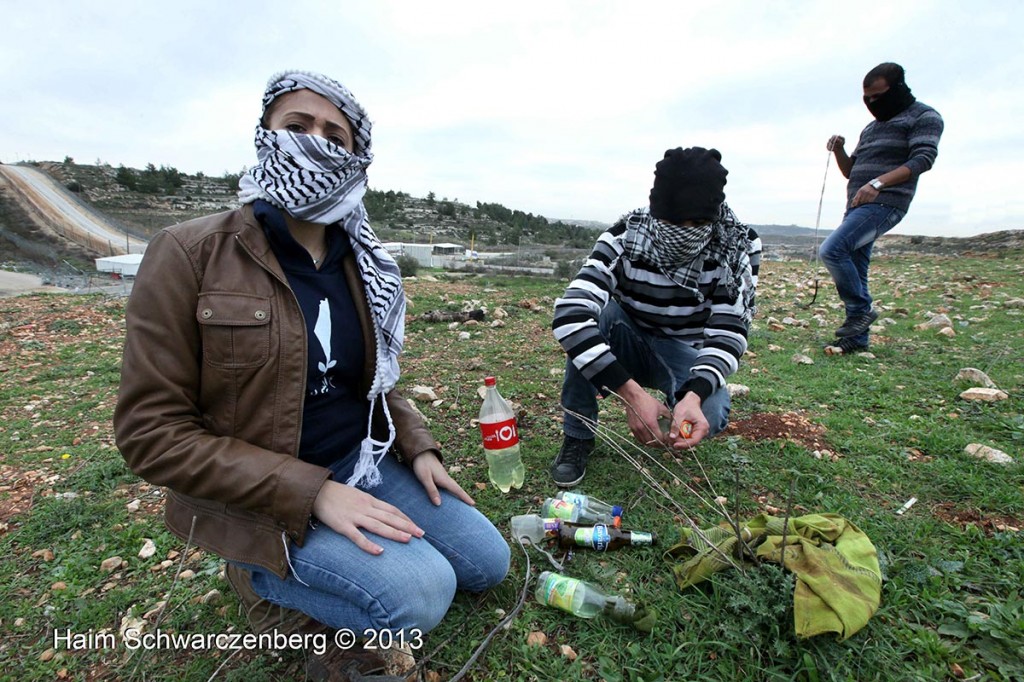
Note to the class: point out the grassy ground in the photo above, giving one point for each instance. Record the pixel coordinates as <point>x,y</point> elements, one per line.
<point>891,427</point>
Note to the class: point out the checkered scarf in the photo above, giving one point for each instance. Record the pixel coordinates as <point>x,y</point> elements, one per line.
<point>680,252</point>
<point>315,180</point>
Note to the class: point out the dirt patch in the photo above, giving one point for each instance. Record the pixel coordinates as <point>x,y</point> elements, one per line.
<point>789,426</point>
<point>961,518</point>
<point>17,491</point>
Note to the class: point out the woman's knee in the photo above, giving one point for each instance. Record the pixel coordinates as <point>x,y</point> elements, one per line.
<point>420,599</point>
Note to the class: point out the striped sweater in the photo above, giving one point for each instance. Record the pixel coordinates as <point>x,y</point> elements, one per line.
<point>713,322</point>
<point>911,139</point>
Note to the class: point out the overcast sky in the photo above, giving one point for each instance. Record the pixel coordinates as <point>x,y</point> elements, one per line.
<point>555,108</point>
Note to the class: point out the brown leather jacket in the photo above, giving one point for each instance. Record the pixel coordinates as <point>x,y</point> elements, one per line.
<point>212,387</point>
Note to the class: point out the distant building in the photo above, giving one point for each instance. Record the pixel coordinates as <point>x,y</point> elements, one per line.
<point>125,266</point>
<point>428,255</point>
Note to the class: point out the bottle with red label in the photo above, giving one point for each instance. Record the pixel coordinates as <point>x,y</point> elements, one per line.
<point>501,440</point>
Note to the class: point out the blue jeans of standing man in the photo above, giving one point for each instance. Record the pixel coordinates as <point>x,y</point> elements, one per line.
<point>654,362</point>
<point>409,585</point>
<point>847,254</point>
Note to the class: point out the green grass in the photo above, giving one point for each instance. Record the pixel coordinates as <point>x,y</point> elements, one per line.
<point>952,567</point>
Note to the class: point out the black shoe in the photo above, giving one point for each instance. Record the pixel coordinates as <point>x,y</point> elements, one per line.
<point>855,326</point>
<point>570,466</point>
<point>847,346</point>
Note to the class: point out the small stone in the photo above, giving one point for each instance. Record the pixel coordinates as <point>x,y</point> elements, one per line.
<point>148,549</point>
<point>536,638</point>
<point>568,652</point>
<point>453,326</point>
<point>497,323</point>
<point>47,655</point>
<point>133,506</point>
<point>437,403</point>
<point>801,359</point>
<point>936,322</point>
<point>989,395</point>
<point>737,390</point>
<point>866,355</point>
<point>59,586</point>
<point>213,597</point>
<point>973,376</point>
<point>721,501</point>
<point>556,371</point>
<point>148,615</point>
<point>111,564</point>
<point>948,332</point>
<point>187,574</point>
<point>44,554</point>
<point>988,454</point>
<point>464,336</point>
<point>774,347</point>
<point>424,394</point>
<point>776,327</point>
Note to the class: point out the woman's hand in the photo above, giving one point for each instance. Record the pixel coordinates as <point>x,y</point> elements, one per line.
<point>433,475</point>
<point>346,509</point>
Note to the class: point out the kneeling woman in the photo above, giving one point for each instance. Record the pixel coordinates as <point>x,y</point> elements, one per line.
<point>258,387</point>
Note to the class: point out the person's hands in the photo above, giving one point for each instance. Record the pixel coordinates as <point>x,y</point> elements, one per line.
<point>836,142</point>
<point>346,509</point>
<point>642,413</point>
<point>865,195</point>
<point>433,475</point>
<point>688,412</point>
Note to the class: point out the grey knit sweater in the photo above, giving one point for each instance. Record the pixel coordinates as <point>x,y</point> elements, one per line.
<point>911,139</point>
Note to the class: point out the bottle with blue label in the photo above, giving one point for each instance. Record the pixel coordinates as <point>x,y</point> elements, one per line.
<point>602,538</point>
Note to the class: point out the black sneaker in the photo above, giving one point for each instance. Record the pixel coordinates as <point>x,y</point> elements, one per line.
<point>570,466</point>
<point>855,326</point>
<point>846,346</point>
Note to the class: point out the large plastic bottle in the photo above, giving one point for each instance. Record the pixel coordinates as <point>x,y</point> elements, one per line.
<point>581,598</point>
<point>577,508</point>
<point>603,538</point>
<point>533,527</point>
<point>591,508</point>
<point>501,440</point>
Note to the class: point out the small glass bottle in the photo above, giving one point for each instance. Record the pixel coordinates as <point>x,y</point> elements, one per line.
<point>602,537</point>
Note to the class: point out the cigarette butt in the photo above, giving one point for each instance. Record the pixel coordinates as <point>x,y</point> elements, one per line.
<point>907,505</point>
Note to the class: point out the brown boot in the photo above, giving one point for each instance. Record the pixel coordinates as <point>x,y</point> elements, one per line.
<point>334,665</point>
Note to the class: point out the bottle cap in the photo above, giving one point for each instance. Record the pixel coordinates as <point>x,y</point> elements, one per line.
<point>616,510</point>
<point>489,381</point>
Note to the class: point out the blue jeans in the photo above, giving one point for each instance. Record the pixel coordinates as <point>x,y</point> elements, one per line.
<point>654,362</point>
<point>409,585</point>
<point>847,254</point>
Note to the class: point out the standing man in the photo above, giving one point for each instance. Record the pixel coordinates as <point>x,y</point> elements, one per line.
<point>664,301</point>
<point>894,149</point>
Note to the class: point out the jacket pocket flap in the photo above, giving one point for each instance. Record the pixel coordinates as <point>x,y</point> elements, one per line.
<point>231,309</point>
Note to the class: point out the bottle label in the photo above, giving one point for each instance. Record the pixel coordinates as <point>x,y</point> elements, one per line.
<point>637,538</point>
<point>574,498</point>
<point>558,591</point>
<point>500,435</point>
<point>560,509</point>
<point>551,527</point>
<point>597,537</point>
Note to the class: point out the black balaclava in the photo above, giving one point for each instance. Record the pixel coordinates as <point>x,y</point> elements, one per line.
<point>891,102</point>
<point>688,185</point>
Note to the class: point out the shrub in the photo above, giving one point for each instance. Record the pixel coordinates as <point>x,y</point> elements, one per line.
<point>408,265</point>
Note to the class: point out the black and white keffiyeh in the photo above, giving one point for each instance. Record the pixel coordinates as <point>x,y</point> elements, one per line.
<point>316,180</point>
<point>680,252</point>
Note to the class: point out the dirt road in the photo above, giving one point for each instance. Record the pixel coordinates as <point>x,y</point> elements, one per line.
<point>14,283</point>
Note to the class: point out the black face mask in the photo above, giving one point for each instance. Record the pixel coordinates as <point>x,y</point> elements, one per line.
<point>891,102</point>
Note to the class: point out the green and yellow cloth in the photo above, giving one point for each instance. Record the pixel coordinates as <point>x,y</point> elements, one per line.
<point>838,580</point>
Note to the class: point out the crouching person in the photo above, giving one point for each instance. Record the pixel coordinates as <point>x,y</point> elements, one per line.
<point>258,386</point>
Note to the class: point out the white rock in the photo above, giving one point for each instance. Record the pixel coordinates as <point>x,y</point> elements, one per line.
<point>437,403</point>
<point>499,313</point>
<point>148,549</point>
<point>424,394</point>
<point>774,347</point>
<point>737,390</point>
<point>937,322</point>
<point>989,395</point>
<point>453,326</point>
<point>988,454</point>
<point>866,354</point>
<point>973,375</point>
<point>947,332</point>
<point>111,564</point>
<point>497,323</point>
<point>556,371</point>
<point>802,359</point>
<point>1014,303</point>
<point>463,336</point>
<point>133,506</point>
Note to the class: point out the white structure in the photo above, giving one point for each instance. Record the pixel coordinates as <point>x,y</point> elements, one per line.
<point>428,255</point>
<point>126,266</point>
